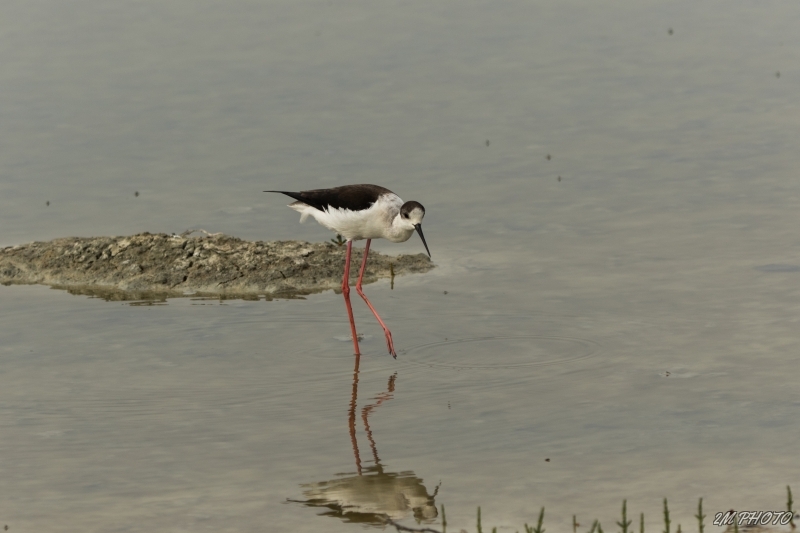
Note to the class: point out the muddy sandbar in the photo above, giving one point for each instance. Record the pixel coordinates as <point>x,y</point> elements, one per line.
<point>161,265</point>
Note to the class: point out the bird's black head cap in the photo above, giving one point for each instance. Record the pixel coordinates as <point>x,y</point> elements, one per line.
<point>407,207</point>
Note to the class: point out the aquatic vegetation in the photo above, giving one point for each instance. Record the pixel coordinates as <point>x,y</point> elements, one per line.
<point>700,516</point>
<point>596,527</point>
<point>625,522</point>
<point>538,528</point>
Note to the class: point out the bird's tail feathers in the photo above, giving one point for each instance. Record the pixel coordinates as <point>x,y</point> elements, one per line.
<point>300,198</point>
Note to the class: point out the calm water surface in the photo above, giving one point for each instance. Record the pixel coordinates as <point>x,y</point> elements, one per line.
<point>630,330</point>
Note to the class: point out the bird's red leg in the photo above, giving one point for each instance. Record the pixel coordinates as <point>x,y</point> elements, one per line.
<point>346,294</point>
<point>386,331</point>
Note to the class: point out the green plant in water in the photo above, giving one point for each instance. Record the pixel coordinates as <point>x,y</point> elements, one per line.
<point>625,522</point>
<point>700,516</point>
<point>539,528</point>
<point>338,241</point>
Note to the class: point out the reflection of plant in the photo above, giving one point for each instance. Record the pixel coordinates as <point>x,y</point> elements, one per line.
<point>338,241</point>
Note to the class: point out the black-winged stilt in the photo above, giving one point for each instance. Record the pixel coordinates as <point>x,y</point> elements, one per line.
<point>361,212</point>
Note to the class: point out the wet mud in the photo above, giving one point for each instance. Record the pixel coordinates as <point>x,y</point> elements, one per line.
<point>158,266</point>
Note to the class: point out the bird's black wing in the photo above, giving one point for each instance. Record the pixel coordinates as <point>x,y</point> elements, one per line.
<point>352,197</point>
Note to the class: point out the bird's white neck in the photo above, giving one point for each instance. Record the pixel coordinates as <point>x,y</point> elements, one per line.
<point>399,230</point>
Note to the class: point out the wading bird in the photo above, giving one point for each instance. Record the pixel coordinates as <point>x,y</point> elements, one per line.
<point>361,212</point>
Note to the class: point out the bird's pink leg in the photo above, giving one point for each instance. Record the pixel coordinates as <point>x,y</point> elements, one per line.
<point>346,294</point>
<point>386,331</point>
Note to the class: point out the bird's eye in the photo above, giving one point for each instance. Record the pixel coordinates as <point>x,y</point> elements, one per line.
<point>405,215</point>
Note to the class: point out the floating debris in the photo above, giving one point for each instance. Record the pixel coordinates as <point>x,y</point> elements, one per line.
<point>158,266</point>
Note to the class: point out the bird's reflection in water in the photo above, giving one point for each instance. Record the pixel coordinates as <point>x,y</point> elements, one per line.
<point>372,494</point>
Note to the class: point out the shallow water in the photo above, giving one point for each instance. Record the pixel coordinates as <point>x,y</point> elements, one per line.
<point>635,322</point>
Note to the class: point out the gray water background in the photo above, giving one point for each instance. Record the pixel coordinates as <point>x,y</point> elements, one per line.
<point>636,322</point>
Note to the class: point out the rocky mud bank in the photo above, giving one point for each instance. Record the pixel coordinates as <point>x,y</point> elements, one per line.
<point>159,266</point>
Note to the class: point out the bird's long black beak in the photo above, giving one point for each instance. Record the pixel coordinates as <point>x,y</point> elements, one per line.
<point>418,227</point>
